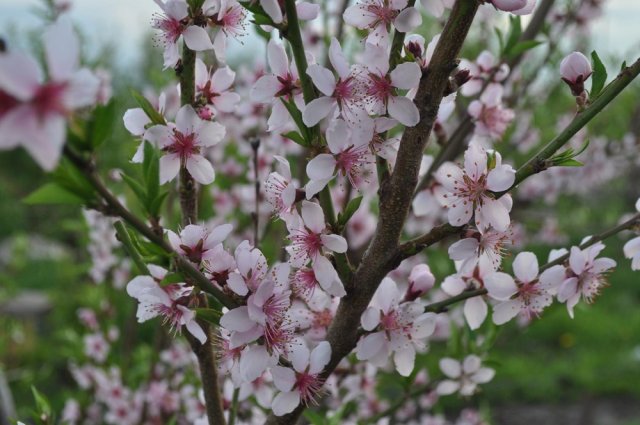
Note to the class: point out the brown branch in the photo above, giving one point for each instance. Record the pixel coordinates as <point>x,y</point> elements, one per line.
<point>395,194</point>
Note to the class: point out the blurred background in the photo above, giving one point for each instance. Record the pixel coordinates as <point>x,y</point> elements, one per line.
<point>554,371</point>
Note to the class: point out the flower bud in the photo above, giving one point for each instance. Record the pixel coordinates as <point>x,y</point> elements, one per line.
<point>575,69</point>
<point>509,5</point>
<point>420,281</point>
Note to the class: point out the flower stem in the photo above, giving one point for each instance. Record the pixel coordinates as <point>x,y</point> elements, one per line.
<point>188,188</point>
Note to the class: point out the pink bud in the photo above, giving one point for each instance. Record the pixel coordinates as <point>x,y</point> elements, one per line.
<point>575,69</point>
<point>420,281</point>
<point>509,5</point>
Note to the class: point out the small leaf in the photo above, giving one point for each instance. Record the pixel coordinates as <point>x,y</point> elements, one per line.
<point>156,204</point>
<point>101,124</point>
<point>210,315</point>
<point>569,162</point>
<point>599,77</point>
<point>514,35</point>
<point>51,194</point>
<point>296,137</point>
<point>151,172</point>
<point>315,418</point>
<point>172,278</point>
<point>500,39</point>
<point>136,187</point>
<point>523,46</point>
<point>42,404</point>
<point>297,118</point>
<point>155,116</point>
<point>352,207</point>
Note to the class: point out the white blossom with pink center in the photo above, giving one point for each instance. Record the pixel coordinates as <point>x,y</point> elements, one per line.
<point>228,17</point>
<point>136,122</point>
<point>33,112</point>
<point>349,155</point>
<point>489,243</point>
<point>382,86</point>
<point>421,280</point>
<point>469,190</point>
<point>215,89</point>
<point>344,93</point>
<point>377,16</point>
<point>302,383</point>
<point>528,295</point>
<point>252,269</point>
<point>170,302</point>
<point>470,278</point>
<point>172,23</point>
<point>310,240</point>
<point>184,144</point>
<point>198,243</point>
<point>485,68</point>
<point>282,84</point>
<point>491,117</point>
<point>280,190</point>
<point>400,329</point>
<point>585,276</point>
<point>464,377</point>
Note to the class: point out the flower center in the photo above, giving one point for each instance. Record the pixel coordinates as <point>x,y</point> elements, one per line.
<point>48,99</point>
<point>183,145</point>
<point>308,385</point>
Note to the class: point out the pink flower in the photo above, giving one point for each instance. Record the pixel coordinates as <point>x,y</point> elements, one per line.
<point>464,376</point>
<point>401,328</point>
<point>183,144</point>
<point>197,243</point>
<point>485,68</point>
<point>215,89</point>
<point>489,243</point>
<point>377,16</point>
<point>421,280</point>
<point>382,85</point>
<point>344,93</point>
<point>584,276</point>
<point>229,17</point>
<point>170,302</point>
<point>470,278</point>
<point>279,188</point>
<point>575,69</point>
<point>302,383</point>
<point>283,83</point>
<point>491,118</point>
<point>252,269</point>
<point>310,240</point>
<point>171,23</point>
<point>96,347</point>
<point>528,295</point>
<point>469,190</point>
<point>349,154</point>
<point>34,112</point>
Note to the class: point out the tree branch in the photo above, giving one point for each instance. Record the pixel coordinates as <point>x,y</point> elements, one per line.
<point>395,194</point>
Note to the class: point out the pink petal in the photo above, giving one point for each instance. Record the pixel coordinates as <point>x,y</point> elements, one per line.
<point>196,38</point>
<point>317,109</point>
<point>265,89</point>
<point>506,311</point>
<point>494,213</point>
<point>404,110</point>
<point>408,20</point>
<point>313,216</point>
<point>210,133</point>
<point>194,329</point>
<point>406,75</point>
<point>450,367</point>
<point>285,402</point>
<point>320,357</point>
<point>370,318</point>
<point>463,249</point>
<point>525,267</point>
<point>62,50</point>
<point>322,78</point>
<point>200,169</point>
<point>307,11</point>
<point>475,311</point>
<point>337,59</point>
<point>404,359</point>
<point>135,121</point>
<point>500,285</point>
<point>237,320</point>
<point>20,75</point>
<point>299,357</point>
<point>272,8</point>
<point>283,378</point>
<point>169,167</point>
<point>334,243</point>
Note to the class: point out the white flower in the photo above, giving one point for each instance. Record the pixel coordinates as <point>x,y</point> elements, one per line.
<point>303,382</point>
<point>464,376</point>
<point>183,144</point>
<point>376,16</point>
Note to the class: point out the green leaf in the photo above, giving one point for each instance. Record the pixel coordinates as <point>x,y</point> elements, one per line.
<point>172,278</point>
<point>195,5</point>
<point>515,32</point>
<point>70,178</point>
<point>42,404</point>
<point>297,118</point>
<point>210,315</point>
<point>523,46</point>
<point>259,19</point>
<point>51,194</point>
<point>296,137</point>
<point>599,77</point>
<point>500,39</point>
<point>155,116</point>
<point>352,207</point>
<point>125,238</point>
<point>315,418</point>
<point>136,187</point>
<point>569,162</point>
<point>101,123</point>
<point>156,204</point>
<point>151,172</point>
